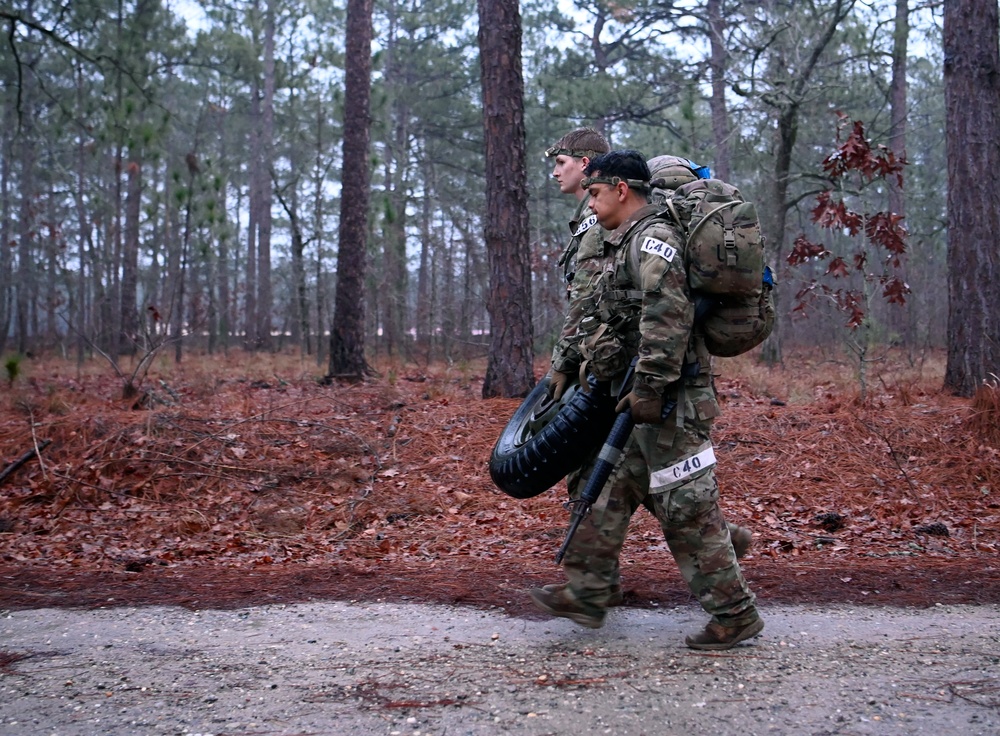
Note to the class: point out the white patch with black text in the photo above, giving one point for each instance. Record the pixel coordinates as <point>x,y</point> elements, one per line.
<point>585,226</point>
<point>681,470</point>
<point>663,250</point>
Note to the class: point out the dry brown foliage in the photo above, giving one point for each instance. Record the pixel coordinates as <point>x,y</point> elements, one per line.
<point>249,464</point>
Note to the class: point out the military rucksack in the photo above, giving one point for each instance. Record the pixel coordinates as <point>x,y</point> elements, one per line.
<point>734,306</point>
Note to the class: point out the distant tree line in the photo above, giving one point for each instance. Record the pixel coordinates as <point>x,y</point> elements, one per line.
<point>178,180</point>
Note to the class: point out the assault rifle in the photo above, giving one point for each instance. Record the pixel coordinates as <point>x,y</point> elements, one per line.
<point>606,460</point>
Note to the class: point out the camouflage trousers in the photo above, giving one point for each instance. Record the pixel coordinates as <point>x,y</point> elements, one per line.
<point>685,500</point>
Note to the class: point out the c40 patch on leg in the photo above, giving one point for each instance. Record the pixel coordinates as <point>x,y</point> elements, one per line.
<point>680,471</point>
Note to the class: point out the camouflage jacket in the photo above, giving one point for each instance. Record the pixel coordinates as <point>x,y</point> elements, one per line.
<point>583,221</point>
<point>579,266</point>
<point>643,309</point>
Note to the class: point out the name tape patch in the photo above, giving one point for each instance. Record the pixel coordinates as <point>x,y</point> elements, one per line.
<point>663,250</point>
<point>585,225</point>
<point>681,470</point>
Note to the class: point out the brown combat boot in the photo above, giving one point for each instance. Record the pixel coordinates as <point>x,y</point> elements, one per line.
<point>742,539</point>
<point>562,603</point>
<point>715,636</point>
<point>615,595</point>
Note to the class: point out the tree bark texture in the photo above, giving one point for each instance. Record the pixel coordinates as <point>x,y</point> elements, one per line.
<point>130,261</point>
<point>6,156</point>
<point>509,363</point>
<point>898,98</point>
<point>902,318</point>
<point>721,131</point>
<point>251,323</point>
<point>25,278</point>
<point>347,334</point>
<point>972,101</point>
<point>265,298</point>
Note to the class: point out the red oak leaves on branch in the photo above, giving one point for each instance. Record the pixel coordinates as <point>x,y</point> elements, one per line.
<point>857,154</point>
<point>884,229</point>
<point>804,250</point>
<point>881,230</point>
<point>835,215</point>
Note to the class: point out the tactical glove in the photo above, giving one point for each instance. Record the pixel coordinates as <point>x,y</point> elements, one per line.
<point>558,383</point>
<point>645,409</point>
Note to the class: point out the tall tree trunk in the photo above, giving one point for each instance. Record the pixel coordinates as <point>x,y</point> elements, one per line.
<point>79,305</point>
<point>27,227</point>
<point>6,297</point>
<point>184,313</point>
<point>225,297</point>
<point>347,333</point>
<point>299,322</point>
<point>55,244</point>
<point>319,197</point>
<point>25,147</point>
<point>424,273</point>
<point>902,319</point>
<point>251,322</point>
<point>84,228</point>
<point>264,291</point>
<point>509,369</point>
<point>898,100</point>
<point>394,277</point>
<point>718,64</point>
<point>972,101</point>
<point>449,296</point>
<point>130,257</point>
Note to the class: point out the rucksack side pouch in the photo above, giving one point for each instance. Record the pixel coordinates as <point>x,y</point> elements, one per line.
<point>734,326</point>
<point>603,350</point>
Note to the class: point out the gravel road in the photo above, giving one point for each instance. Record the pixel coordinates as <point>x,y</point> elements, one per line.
<point>416,670</point>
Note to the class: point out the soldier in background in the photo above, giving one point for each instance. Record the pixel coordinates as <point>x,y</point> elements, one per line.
<point>570,155</point>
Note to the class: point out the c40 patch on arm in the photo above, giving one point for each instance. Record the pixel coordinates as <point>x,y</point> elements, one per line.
<point>658,247</point>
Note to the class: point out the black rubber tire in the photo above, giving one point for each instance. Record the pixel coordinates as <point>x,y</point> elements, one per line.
<point>545,441</point>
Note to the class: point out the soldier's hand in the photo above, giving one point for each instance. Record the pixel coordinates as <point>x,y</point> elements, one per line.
<point>558,383</point>
<point>645,409</point>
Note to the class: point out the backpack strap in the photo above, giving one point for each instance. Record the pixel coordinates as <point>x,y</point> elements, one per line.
<point>674,214</point>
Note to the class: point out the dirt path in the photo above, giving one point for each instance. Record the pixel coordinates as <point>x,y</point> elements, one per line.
<point>415,670</point>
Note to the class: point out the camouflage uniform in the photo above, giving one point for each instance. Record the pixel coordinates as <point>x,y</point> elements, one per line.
<point>582,261</point>
<point>668,468</point>
<point>586,242</point>
<point>583,221</point>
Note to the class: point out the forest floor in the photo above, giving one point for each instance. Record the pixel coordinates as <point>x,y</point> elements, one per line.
<point>244,550</point>
<point>242,481</point>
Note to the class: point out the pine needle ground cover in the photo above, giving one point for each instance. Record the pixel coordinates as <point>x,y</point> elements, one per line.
<point>244,480</point>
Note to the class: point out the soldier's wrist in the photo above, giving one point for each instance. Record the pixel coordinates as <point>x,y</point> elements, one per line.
<point>644,389</point>
<point>564,366</point>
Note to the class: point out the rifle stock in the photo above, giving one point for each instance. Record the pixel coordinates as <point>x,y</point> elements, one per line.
<point>610,452</point>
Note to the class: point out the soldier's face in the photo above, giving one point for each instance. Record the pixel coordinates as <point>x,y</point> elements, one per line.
<point>607,202</point>
<point>568,171</point>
